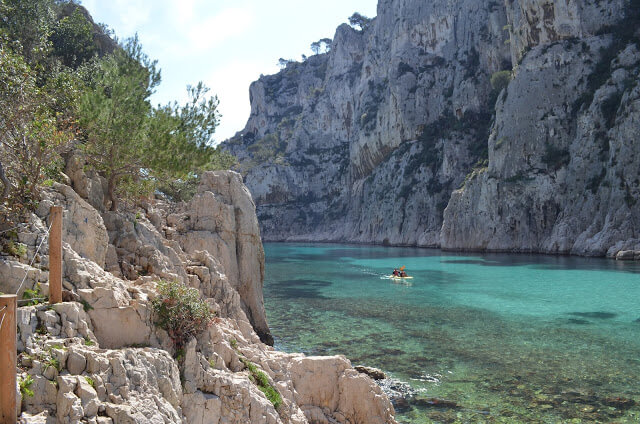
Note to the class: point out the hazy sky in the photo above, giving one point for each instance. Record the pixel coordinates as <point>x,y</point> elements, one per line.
<point>226,44</point>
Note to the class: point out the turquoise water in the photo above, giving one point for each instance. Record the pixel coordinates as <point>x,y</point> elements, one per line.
<point>501,338</point>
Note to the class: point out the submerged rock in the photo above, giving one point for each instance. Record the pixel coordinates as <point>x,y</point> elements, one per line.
<point>435,403</point>
<point>619,402</point>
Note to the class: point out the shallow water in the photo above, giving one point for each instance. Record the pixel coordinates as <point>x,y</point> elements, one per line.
<point>503,338</point>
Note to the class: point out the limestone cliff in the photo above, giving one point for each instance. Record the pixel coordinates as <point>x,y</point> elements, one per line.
<point>563,152</point>
<point>100,358</point>
<point>368,142</point>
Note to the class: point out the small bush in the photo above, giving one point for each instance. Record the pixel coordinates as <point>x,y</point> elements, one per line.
<point>91,382</point>
<point>500,80</point>
<point>86,305</point>
<point>25,386</point>
<point>16,249</point>
<point>51,361</point>
<point>33,297</point>
<point>181,312</point>
<point>555,158</point>
<point>260,379</point>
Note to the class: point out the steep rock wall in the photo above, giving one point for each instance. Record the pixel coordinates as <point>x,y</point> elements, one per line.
<point>563,153</point>
<point>367,142</point>
<point>372,141</point>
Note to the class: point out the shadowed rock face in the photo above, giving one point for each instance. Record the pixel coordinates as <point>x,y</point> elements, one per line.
<point>368,142</point>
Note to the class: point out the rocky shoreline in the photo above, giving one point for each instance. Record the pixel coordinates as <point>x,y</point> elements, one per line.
<point>100,358</point>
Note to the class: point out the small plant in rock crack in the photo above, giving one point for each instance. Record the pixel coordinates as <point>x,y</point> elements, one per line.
<point>91,381</point>
<point>25,386</point>
<point>52,361</point>
<point>33,297</point>
<point>260,379</point>
<point>181,312</point>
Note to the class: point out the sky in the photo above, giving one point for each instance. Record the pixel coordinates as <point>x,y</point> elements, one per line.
<point>226,44</point>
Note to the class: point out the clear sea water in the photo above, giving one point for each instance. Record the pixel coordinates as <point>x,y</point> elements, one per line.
<point>480,338</point>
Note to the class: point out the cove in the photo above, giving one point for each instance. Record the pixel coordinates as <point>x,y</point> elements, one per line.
<point>477,337</point>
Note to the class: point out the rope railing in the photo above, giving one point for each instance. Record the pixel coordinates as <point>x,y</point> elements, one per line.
<point>32,299</point>
<point>34,258</point>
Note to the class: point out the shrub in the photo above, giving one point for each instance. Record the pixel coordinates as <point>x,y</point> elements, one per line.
<point>33,297</point>
<point>25,386</point>
<point>181,312</point>
<point>500,80</point>
<point>16,249</point>
<point>51,361</point>
<point>555,158</point>
<point>262,381</point>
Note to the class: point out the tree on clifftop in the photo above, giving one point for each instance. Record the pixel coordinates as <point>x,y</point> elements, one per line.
<point>323,45</point>
<point>132,145</point>
<point>359,21</point>
<point>114,112</point>
<point>72,39</point>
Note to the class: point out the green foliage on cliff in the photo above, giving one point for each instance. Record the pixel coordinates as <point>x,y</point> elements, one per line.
<point>500,80</point>
<point>72,39</point>
<point>359,21</point>
<point>25,386</point>
<point>61,88</point>
<point>262,381</point>
<point>35,126</point>
<point>181,312</point>
<point>269,147</point>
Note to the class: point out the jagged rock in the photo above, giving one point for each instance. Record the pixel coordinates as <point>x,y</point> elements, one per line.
<point>366,143</point>
<point>537,22</point>
<point>628,255</point>
<point>87,184</point>
<point>82,226</point>
<point>374,373</point>
<point>548,187</point>
<point>77,381</point>
<point>76,363</point>
<point>12,274</point>
<point>221,220</point>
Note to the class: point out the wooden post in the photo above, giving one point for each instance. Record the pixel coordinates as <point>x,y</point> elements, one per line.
<point>55,255</point>
<point>8,357</point>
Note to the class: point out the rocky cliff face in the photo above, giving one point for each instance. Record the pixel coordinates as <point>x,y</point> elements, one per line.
<point>99,357</point>
<point>368,142</point>
<point>563,153</point>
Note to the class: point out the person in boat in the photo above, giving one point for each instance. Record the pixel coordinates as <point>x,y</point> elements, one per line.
<point>396,273</point>
<point>403,274</point>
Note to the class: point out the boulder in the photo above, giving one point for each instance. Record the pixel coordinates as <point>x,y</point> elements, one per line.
<point>374,373</point>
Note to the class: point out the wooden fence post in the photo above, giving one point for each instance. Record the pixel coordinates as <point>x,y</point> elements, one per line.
<point>8,357</point>
<point>55,255</point>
